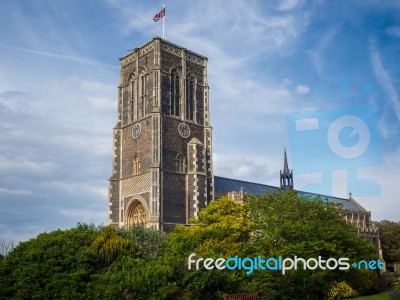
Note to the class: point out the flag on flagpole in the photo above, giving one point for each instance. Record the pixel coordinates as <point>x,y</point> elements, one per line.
<point>159,15</point>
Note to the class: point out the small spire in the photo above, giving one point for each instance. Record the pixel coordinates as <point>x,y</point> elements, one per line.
<point>286,176</point>
<point>285,165</point>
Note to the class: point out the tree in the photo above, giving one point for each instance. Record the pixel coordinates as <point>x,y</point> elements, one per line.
<point>288,225</point>
<point>110,246</point>
<point>5,247</point>
<point>149,243</point>
<point>134,278</point>
<point>222,230</point>
<point>136,263</point>
<point>133,272</point>
<point>389,234</point>
<point>54,265</point>
<point>273,225</point>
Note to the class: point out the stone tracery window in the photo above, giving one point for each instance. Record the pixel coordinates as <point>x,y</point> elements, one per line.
<point>175,93</point>
<point>142,95</point>
<point>181,163</point>
<point>136,165</point>
<point>136,214</point>
<point>190,97</point>
<point>132,101</point>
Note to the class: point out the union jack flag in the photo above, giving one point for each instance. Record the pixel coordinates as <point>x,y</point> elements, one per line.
<point>159,15</point>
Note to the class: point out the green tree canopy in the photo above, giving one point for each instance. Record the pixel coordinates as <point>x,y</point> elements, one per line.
<point>389,234</point>
<point>279,224</point>
<point>54,265</point>
<point>109,245</point>
<point>289,225</point>
<point>136,263</point>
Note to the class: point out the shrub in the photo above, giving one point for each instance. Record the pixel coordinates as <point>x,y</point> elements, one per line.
<point>341,290</point>
<point>396,285</point>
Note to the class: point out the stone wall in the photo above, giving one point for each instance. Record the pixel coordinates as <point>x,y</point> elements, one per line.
<point>171,196</point>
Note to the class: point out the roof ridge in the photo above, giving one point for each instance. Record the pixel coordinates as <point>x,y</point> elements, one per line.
<point>247,181</point>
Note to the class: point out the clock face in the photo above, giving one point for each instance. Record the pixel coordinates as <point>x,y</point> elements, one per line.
<point>136,130</point>
<point>184,130</point>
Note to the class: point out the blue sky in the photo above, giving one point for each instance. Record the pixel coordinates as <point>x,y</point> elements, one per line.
<point>275,69</point>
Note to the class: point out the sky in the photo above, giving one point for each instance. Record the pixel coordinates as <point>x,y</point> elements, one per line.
<point>319,78</point>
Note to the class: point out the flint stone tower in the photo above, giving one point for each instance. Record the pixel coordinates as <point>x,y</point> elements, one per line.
<point>162,161</point>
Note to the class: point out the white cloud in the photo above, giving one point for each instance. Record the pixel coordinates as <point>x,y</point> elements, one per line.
<point>261,169</point>
<point>101,103</point>
<point>16,233</point>
<point>87,215</point>
<point>317,54</point>
<point>15,192</point>
<point>387,176</point>
<point>393,31</point>
<point>24,165</point>
<point>302,89</point>
<point>93,143</point>
<point>59,56</point>
<point>78,188</point>
<point>383,77</point>
<point>286,82</point>
<point>17,101</point>
<point>95,86</point>
<point>286,5</point>
<point>242,95</point>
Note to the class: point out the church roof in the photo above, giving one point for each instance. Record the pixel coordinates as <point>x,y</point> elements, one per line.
<point>223,185</point>
<point>350,204</point>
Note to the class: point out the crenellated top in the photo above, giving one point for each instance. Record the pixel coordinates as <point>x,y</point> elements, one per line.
<point>164,46</point>
<point>127,59</point>
<point>178,51</point>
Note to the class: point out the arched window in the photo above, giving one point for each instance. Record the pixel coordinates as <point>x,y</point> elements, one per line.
<point>132,102</point>
<point>180,163</point>
<point>142,95</point>
<point>136,165</point>
<point>175,93</point>
<point>190,94</point>
<point>136,214</point>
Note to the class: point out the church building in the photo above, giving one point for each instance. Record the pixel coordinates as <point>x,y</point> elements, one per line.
<point>162,145</point>
<point>162,159</point>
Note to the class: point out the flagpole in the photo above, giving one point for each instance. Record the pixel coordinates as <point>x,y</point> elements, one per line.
<point>163,21</point>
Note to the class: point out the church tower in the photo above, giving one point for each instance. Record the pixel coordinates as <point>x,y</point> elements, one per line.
<point>162,159</point>
<point>286,176</point>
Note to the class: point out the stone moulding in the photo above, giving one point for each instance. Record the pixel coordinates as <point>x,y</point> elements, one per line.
<point>194,58</point>
<point>171,49</point>
<point>127,60</point>
<point>136,185</point>
<point>146,49</point>
<point>130,58</point>
<point>178,52</point>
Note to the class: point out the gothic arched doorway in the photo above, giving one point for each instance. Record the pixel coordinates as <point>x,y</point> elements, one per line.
<point>136,214</point>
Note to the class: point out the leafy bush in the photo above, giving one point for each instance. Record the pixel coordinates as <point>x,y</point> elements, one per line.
<point>365,282</point>
<point>109,245</point>
<point>149,243</point>
<point>55,265</point>
<point>396,285</point>
<point>134,278</point>
<point>341,290</point>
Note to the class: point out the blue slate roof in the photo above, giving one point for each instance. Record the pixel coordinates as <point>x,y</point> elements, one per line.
<point>350,204</point>
<point>223,185</point>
